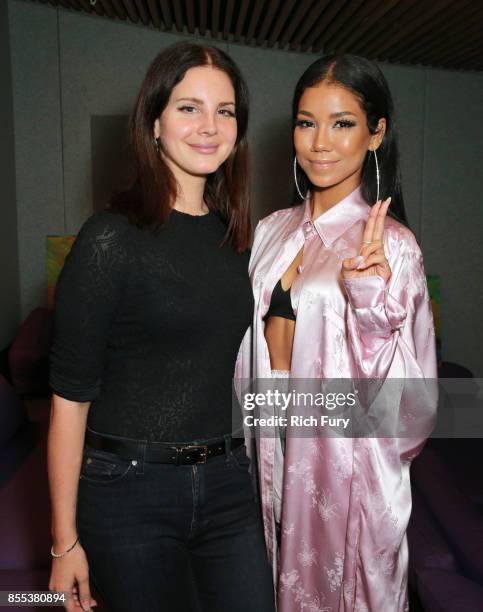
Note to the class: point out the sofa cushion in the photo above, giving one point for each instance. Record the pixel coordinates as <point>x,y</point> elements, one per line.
<point>459,519</point>
<point>428,547</point>
<point>12,412</point>
<point>442,591</point>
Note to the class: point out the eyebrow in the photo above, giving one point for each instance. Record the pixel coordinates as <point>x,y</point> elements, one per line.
<point>198,101</point>
<point>332,116</point>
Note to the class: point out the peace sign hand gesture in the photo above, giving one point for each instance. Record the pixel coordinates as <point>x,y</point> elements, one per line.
<point>371,260</point>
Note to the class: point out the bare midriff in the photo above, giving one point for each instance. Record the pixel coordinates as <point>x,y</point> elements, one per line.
<point>280,332</point>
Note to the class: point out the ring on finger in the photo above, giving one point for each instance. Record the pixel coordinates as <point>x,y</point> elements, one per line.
<point>367,242</point>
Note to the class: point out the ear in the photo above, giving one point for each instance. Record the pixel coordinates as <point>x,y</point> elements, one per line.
<point>157,129</point>
<point>376,138</point>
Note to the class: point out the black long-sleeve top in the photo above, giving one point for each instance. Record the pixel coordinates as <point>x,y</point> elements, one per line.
<point>148,325</point>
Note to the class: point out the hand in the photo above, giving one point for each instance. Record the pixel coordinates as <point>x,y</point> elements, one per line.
<point>71,574</point>
<point>371,260</point>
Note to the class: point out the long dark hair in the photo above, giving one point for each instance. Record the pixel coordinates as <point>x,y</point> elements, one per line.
<point>149,199</point>
<point>366,81</point>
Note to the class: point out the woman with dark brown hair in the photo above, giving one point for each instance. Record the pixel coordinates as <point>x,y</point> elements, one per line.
<point>151,307</point>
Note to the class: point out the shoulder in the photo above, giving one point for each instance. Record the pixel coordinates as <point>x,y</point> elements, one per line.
<point>279,219</point>
<point>105,231</point>
<point>102,241</point>
<point>281,215</point>
<point>399,239</point>
<point>104,223</point>
<point>272,229</point>
<point>278,223</point>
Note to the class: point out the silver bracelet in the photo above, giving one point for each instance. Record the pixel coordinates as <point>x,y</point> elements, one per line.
<point>58,556</point>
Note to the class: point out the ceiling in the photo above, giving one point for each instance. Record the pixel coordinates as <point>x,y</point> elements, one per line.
<point>437,33</point>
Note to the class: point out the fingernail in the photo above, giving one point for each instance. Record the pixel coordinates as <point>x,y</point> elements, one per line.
<point>359,260</point>
<point>388,201</point>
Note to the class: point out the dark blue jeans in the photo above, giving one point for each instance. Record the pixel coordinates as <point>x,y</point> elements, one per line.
<point>162,537</point>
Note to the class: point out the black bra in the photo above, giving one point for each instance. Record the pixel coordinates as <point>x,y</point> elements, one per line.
<point>280,304</point>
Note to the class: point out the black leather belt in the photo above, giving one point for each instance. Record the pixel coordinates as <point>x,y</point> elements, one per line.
<point>159,452</point>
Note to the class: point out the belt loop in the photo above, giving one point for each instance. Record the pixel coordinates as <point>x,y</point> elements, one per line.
<point>227,444</point>
<point>141,454</point>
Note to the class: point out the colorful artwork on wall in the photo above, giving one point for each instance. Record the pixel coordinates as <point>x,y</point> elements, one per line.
<point>435,295</point>
<point>58,248</point>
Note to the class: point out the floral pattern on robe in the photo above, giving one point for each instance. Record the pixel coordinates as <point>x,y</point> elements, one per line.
<point>346,502</point>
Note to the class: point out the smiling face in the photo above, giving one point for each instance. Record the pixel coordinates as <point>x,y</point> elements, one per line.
<point>331,138</point>
<point>198,128</point>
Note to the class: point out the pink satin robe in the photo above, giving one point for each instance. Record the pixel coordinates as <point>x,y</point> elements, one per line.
<point>346,502</point>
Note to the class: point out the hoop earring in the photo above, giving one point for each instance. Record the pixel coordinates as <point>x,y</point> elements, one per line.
<point>295,177</point>
<point>377,175</point>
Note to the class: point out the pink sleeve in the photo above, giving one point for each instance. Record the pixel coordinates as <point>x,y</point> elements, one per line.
<point>383,318</point>
<point>391,334</point>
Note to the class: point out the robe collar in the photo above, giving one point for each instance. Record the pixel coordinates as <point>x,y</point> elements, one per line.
<point>335,221</point>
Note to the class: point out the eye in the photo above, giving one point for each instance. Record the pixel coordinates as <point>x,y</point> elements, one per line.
<point>226,112</point>
<point>304,123</point>
<point>344,123</point>
<point>188,109</point>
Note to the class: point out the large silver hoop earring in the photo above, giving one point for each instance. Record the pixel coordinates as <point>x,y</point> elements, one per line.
<point>377,175</point>
<point>295,177</point>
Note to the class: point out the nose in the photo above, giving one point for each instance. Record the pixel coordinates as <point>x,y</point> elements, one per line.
<point>320,142</point>
<point>208,125</point>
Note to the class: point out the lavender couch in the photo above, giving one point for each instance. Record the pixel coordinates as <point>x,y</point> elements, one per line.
<point>446,528</point>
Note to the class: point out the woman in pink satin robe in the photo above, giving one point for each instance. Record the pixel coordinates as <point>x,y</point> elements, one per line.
<point>335,509</point>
